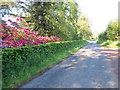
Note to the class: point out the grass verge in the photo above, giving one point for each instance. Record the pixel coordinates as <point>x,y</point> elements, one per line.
<point>111,44</point>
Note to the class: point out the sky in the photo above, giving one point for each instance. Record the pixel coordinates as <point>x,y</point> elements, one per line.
<point>99,12</point>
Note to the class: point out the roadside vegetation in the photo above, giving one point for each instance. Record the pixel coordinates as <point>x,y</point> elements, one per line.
<point>110,37</point>
<point>112,44</point>
<point>21,64</point>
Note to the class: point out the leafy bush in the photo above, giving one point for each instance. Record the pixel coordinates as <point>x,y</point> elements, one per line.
<point>18,34</point>
<point>18,62</point>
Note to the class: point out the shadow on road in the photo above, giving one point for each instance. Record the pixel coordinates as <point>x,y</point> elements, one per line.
<point>92,66</point>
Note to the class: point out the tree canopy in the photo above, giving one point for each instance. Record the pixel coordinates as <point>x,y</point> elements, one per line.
<point>62,19</point>
<point>111,32</point>
<point>84,30</point>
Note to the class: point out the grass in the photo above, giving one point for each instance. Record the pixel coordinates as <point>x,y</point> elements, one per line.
<point>111,44</point>
<point>48,63</point>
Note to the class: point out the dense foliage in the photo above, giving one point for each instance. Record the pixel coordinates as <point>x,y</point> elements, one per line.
<point>111,33</point>
<point>18,35</point>
<point>50,18</point>
<point>22,61</point>
<point>84,30</point>
<point>56,19</point>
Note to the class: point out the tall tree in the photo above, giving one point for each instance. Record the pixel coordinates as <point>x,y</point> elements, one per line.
<point>84,31</point>
<point>111,32</point>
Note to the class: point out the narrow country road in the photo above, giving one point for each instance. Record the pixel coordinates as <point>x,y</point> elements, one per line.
<point>92,66</point>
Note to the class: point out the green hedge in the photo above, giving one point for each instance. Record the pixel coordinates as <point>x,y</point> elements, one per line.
<point>18,62</point>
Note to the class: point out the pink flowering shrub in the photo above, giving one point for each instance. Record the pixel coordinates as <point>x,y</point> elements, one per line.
<point>19,35</point>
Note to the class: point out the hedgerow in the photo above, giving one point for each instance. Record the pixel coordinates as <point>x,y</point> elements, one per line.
<point>18,62</point>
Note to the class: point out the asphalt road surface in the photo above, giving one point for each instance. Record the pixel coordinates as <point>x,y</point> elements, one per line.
<point>92,66</point>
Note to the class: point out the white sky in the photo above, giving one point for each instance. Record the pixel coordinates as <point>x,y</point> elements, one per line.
<point>99,12</point>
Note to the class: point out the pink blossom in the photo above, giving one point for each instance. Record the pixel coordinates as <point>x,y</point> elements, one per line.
<point>0,26</point>
<point>26,42</point>
<point>20,35</point>
<point>11,43</point>
<point>20,44</point>
<point>19,19</point>
<point>26,29</point>
<point>10,20</point>
<point>45,41</point>
<point>15,24</point>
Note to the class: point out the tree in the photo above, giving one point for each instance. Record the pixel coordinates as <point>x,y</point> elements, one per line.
<point>84,31</point>
<point>53,18</point>
<point>111,32</point>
